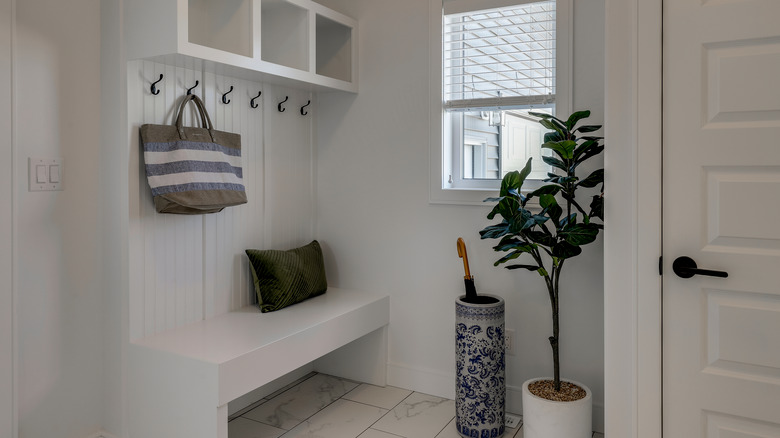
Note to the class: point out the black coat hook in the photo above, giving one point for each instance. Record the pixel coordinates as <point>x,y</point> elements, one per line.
<point>281,110</point>
<point>155,91</point>
<point>225,100</point>
<point>189,90</point>
<point>252,102</point>
<point>303,112</point>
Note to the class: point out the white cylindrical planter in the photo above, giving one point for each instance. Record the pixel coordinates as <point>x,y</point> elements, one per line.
<point>544,418</point>
<point>480,387</point>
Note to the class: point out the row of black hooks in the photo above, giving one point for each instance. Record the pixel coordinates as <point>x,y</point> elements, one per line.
<point>155,91</point>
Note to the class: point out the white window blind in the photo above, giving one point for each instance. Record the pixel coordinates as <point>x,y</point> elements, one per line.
<point>500,58</point>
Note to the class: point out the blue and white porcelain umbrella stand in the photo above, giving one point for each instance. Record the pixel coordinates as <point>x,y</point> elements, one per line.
<point>480,388</point>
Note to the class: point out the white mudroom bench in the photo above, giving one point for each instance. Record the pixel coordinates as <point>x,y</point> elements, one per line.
<point>180,381</point>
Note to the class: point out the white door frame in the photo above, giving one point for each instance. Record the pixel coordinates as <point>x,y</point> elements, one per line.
<point>632,241</point>
<point>7,213</point>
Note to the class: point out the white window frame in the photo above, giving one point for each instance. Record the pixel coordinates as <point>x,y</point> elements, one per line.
<point>443,187</point>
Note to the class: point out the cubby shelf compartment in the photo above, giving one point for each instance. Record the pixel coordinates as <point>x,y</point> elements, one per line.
<point>296,43</point>
<point>334,49</point>
<point>285,34</point>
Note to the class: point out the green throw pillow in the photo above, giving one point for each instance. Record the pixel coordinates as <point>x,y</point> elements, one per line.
<point>283,278</point>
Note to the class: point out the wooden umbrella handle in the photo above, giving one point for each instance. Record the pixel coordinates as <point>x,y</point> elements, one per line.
<point>462,254</point>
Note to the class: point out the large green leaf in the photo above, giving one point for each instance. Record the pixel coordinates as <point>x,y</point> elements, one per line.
<point>565,250</point>
<point>583,147</point>
<point>518,220</point>
<point>554,162</point>
<point>570,219</point>
<point>588,128</point>
<point>553,136</point>
<point>597,207</point>
<point>534,220</point>
<point>562,180</point>
<point>594,179</point>
<point>559,125</point>
<point>528,267</point>
<point>509,242</point>
<point>544,116</point>
<point>593,151</point>
<point>506,207</point>
<point>579,234</point>
<point>576,117</point>
<point>511,181</point>
<point>495,231</point>
<point>511,256</point>
<point>525,172</point>
<point>564,148</point>
<point>548,189</point>
<point>541,238</point>
<point>547,123</point>
<point>549,204</point>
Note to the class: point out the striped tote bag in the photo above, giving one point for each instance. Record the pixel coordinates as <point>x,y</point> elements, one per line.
<point>193,170</point>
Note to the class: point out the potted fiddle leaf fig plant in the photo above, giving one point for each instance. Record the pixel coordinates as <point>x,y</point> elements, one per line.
<point>547,236</point>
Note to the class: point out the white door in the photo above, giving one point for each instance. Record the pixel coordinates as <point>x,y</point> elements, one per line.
<point>721,365</point>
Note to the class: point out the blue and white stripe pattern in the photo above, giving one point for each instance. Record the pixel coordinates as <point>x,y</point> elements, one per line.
<point>181,166</point>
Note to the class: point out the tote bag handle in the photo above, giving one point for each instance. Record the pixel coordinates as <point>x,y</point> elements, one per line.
<point>204,116</point>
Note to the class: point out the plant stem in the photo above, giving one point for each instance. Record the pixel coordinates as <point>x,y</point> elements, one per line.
<point>556,329</point>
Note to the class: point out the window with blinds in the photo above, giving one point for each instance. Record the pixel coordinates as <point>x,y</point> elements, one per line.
<point>500,58</point>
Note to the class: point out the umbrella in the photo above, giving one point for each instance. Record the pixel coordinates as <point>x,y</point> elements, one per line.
<point>468,279</point>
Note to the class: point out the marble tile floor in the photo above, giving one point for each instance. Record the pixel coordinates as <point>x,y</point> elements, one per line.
<point>322,406</point>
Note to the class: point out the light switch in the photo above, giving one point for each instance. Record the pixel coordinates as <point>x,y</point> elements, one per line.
<point>54,173</point>
<point>41,176</point>
<point>45,174</point>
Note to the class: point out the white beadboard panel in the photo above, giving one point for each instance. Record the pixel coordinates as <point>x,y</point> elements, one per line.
<point>187,268</point>
<point>289,203</point>
<point>227,279</point>
<point>166,250</point>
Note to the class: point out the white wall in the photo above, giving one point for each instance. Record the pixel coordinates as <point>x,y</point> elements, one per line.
<point>380,232</point>
<point>6,226</point>
<point>57,89</point>
<point>114,179</point>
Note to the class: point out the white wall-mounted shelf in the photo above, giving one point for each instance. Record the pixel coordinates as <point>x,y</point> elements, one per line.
<point>297,43</point>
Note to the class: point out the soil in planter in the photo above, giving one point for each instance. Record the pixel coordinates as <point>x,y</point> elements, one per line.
<point>546,389</point>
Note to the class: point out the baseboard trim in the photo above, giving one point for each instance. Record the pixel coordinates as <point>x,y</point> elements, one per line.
<point>427,381</point>
<point>102,434</point>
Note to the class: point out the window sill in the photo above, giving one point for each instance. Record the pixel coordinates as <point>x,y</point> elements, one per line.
<point>468,196</point>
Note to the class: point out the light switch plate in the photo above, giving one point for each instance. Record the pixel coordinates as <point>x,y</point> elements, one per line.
<point>49,180</point>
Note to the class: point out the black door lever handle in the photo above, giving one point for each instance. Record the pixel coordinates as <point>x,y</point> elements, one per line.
<point>685,267</point>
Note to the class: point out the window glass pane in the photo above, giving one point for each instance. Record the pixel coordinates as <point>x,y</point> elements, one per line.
<point>496,142</point>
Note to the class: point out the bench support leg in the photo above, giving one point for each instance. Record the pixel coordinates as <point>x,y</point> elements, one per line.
<point>222,421</point>
<point>362,360</point>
